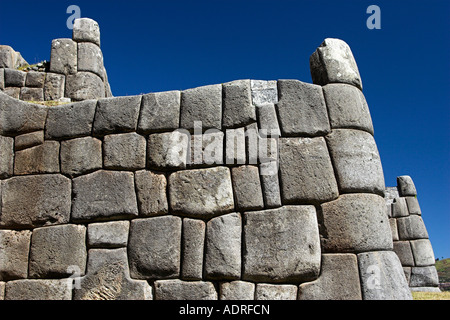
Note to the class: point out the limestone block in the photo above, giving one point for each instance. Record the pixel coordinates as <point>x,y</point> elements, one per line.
<point>14,249</point>
<point>151,193</point>
<point>31,94</point>
<point>406,186</point>
<point>270,184</point>
<point>281,245</point>
<point>42,290</point>
<point>247,188</point>
<point>154,249</point>
<point>238,109</point>
<point>201,193</point>
<point>84,86</point>
<point>28,140</point>
<point>108,278</point>
<point>423,252</point>
<point>411,228</point>
<point>235,152</point>
<point>347,107</point>
<point>394,229</point>
<point>104,194</point>
<point>404,253</point>
<point>267,120</point>
<point>306,171</point>
<point>43,158</point>
<point>160,111</point>
<point>301,109</point>
<point>356,161</point>
<point>168,150</point>
<point>80,156</point>
<point>355,223</point>
<point>382,276</point>
<point>54,86</point>
<point>264,92</point>
<point>86,30</point>
<point>333,62</point>
<point>202,104</point>
<point>14,78</point>
<point>115,115</point>
<point>206,149</point>
<point>48,204</point>
<point>125,151</point>
<point>424,277</point>
<point>110,234</point>
<point>192,249</point>
<point>275,292</point>
<point>184,290</point>
<point>237,290</point>
<point>339,280</point>
<point>13,92</point>
<point>223,247</point>
<point>35,79</point>
<point>63,56</point>
<point>6,156</point>
<point>90,58</point>
<point>399,208</point>
<point>413,205</point>
<point>56,249</point>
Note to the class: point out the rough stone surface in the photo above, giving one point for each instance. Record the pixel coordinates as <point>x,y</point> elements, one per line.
<point>48,204</point>
<point>2,290</point>
<point>6,156</point>
<point>125,151</point>
<point>247,188</point>
<point>168,150</point>
<point>32,289</point>
<point>411,228</point>
<point>104,194</point>
<point>192,249</point>
<point>43,158</point>
<point>15,78</point>
<point>406,186</point>
<point>267,120</point>
<point>235,146</point>
<point>301,109</point>
<point>404,253</point>
<point>184,290</point>
<point>28,140</point>
<point>413,205</point>
<point>424,277</point>
<point>160,111</point>
<point>264,92</point>
<point>237,290</point>
<point>86,30</point>
<point>201,193</point>
<point>275,292</point>
<point>54,86</point>
<point>108,234</point>
<point>206,149</point>
<point>2,79</point>
<point>63,56</point>
<point>223,247</point>
<point>355,223</point>
<point>306,171</point>
<point>393,224</point>
<point>238,109</point>
<point>80,156</point>
<point>356,160</point>
<point>290,251</point>
<point>154,249</point>
<point>399,208</point>
<point>84,86</point>
<point>35,79</point>
<point>12,92</point>
<point>422,252</point>
<point>151,193</point>
<point>14,249</point>
<point>90,58</point>
<point>54,249</point>
<point>31,94</point>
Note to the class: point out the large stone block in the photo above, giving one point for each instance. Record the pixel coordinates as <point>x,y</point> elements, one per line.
<point>399,208</point>
<point>56,250</point>
<point>237,290</point>
<point>14,78</point>
<point>411,228</point>
<point>355,223</point>
<point>35,79</point>
<point>6,156</point>
<point>301,109</point>
<point>270,184</point>
<point>413,205</point>
<point>86,30</point>
<point>281,245</point>
<point>168,150</point>
<point>54,86</point>
<point>268,120</point>
<point>306,171</point>
<point>84,86</point>
<point>424,277</point>
<point>28,140</point>
<point>275,292</point>
<point>151,193</point>
<point>31,94</point>
<point>238,109</point>
<point>42,290</point>
<point>80,156</point>
<point>423,252</point>
<point>406,186</point>
<point>264,92</point>
<point>43,158</point>
<point>206,149</point>
<point>104,194</point>
<point>110,234</point>
<point>356,161</point>
<point>184,290</point>
<point>125,151</point>
<point>154,249</point>
<point>247,188</point>
<point>235,149</point>
<point>90,59</point>
<point>63,56</point>
<point>160,111</point>
<point>403,250</point>
<point>47,204</point>
<point>12,92</point>
<point>14,249</point>
<point>192,249</point>
<point>201,193</point>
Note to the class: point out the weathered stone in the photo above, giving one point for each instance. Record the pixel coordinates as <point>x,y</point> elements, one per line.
<point>7,57</point>
<point>247,188</point>
<point>115,115</point>
<point>104,194</point>
<point>201,193</point>
<point>35,79</point>
<point>80,156</point>
<point>355,223</point>
<point>264,92</point>
<point>237,290</point>
<point>333,62</point>
<point>63,56</point>
<point>394,229</point>
<point>192,249</point>
<point>275,292</point>
<point>14,248</point>
<point>281,245</point>
<point>108,278</point>
<point>86,30</point>
<point>31,289</point>
<point>31,94</point>
<point>339,280</point>
<point>252,139</point>
<point>124,151</point>
<point>43,158</point>
<point>390,194</point>
<point>54,86</point>
<point>154,249</point>
<point>184,290</point>
<point>6,156</point>
<point>306,171</point>
<point>108,234</point>
<point>168,150</point>
<point>347,107</point>
<point>160,111</point>
<point>403,250</point>
<point>406,186</point>
<point>12,92</point>
<point>238,109</point>
<point>206,149</point>
<point>151,193</point>
<point>2,79</point>
<point>235,146</point>
<point>301,109</point>
<point>424,277</point>
<point>28,140</point>
<point>356,161</point>
<point>90,58</point>
<point>411,228</point>
<point>223,247</point>
<point>422,252</point>
<point>382,276</point>
<point>2,290</point>
<point>270,184</point>
<point>267,120</point>
<point>413,205</point>
<point>407,272</point>
<point>84,86</point>
<point>47,204</point>
<point>55,249</point>
<point>202,104</point>
<point>14,78</point>
<point>399,208</point>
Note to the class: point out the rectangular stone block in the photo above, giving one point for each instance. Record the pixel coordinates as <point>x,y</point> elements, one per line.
<point>151,193</point>
<point>43,158</point>
<point>393,224</point>
<point>28,140</point>
<point>403,250</point>
<point>238,109</point>
<point>264,92</point>
<point>411,228</point>
<point>423,252</point>
<point>399,208</point>
<point>111,234</point>
<point>6,156</point>
<point>424,277</point>
<point>14,249</point>
<point>13,92</point>
<point>237,290</point>
<point>235,146</point>
<point>86,30</point>
<point>160,111</point>
<point>14,78</point>
<point>247,188</point>
<point>406,187</point>
<point>268,120</point>
<point>80,156</point>
<point>90,58</point>
<point>275,292</point>
<point>31,94</point>
<point>42,290</point>
<point>413,205</point>
<point>35,79</point>
<point>54,86</point>
<point>63,56</point>
<point>206,149</point>
<point>192,249</point>
<point>168,150</point>
<point>84,86</point>
<point>184,290</point>
<point>125,151</point>
<point>270,184</point>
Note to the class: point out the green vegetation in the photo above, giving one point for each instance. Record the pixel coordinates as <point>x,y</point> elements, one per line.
<point>443,269</point>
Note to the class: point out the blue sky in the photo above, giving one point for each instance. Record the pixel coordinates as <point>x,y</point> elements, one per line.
<point>152,46</point>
